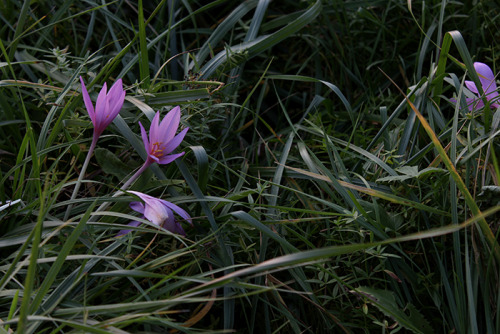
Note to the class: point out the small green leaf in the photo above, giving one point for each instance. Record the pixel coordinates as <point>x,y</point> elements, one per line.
<point>111,164</point>
<point>410,172</point>
<point>384,300</point>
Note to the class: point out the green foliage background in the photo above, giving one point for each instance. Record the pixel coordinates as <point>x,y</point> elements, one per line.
<point>323,199</point>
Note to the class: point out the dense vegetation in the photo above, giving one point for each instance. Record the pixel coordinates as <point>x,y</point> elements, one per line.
<point>334,182</point>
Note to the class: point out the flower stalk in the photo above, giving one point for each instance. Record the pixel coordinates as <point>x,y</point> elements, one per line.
<point>107,107</point>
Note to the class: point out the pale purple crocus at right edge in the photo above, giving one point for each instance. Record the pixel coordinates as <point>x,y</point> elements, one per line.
<point>488,84</point>
<point>159,212</point>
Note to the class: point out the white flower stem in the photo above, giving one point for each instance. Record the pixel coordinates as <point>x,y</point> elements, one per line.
<point>81,176</point>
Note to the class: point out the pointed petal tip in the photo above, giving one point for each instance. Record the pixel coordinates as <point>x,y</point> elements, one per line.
<point>88,103</point>
<point>137,206</point>
<point>176,141</point>
<point>169,158</point>
<point>484,70</point>
<point>144,137</point>
<point>471,86</point>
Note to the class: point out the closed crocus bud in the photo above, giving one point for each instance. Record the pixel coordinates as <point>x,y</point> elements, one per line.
<point>107,106</point>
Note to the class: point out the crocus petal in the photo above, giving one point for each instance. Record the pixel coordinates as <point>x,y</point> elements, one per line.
<point>116,97</point>
<point>143,196</point>
<point>144,136</point>
<point>154,210</point>
<point>117,106</point>
<point>170,224</point>
<point>176,141</point>
<point>469,103</point>
<point>160,213</point>
<point>107,106</point>
<point>156,213</point>
<point>170,124</point>
<point>88,102</point>
<point>474,104</point>
<point>168,158</point>
<point>105,118</point>
<point>137,206</point>
<point>487,81</point>
<point>179,229</point>
<point>471,86</point>
<point>486,77</point>
<point>154,158</point>
<point>181,212</point>
<point>493,96</point>
<point>156,145</point>
<point>173,226</point>
<point>115,92</point>
<point>100,105</point>
<point>154,135</point>
<point>133,224</point>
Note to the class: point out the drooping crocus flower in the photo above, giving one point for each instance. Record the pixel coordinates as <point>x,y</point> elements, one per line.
<point>107,106</point>
<point>488,84</point>
<point>162,140</point>
<point>159,212</point>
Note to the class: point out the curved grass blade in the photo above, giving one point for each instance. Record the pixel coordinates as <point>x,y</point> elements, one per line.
<point>127,68</point>
<point>202,159</point>
<point>314,255</point>
<point>483,224</point>
<point>374,192</point>
<point>368,155</point>
<point>220,32</point>
<point>51,275</point>
<point>332,87</point>
<point>260,44</point>
<point>226,250</point>
<point>143,54</point>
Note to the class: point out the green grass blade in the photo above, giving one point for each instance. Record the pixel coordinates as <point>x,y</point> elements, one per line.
<point>331,86</point>
<point>29,284</point>
<point>258,45</point>
<point>483,224</point>
<point>19,27</point>
<point>375,193</point>
<point>202,159</point>
<point>51,275</point>
<point>220,32</point>
<point>143,55</point>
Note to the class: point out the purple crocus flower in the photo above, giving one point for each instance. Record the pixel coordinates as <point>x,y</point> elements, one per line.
<point>159,212</point>
<point>107,106</point>
<point>488,84</point>
<point>162,140</point>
